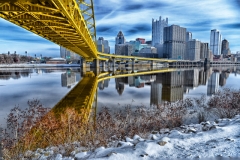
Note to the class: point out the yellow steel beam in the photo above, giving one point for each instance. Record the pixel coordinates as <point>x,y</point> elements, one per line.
<point>137,73</point>
<point>53,20</point>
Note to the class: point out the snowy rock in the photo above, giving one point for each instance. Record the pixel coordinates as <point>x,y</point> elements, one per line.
<point>128,139</point>
<point>124,144</point>
<point>175,134</point>
<point>165,131</point>
<point>191,130</point>
<point>154,137</point>
<point>58,157</point>
<point>162,143</point>
<point>136,137</point>
<point>111,153</point>
<point>166,139</point>
<point>80,155</point>
<point>99,149</point>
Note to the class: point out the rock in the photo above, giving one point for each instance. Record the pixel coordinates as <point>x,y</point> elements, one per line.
<point>128,139</point>
<point>124,144</point>
<point>80,155</point>
<point>191,130</point>
<point>154,132</point>
<point>58,157</point>
<point>99,149</point>
<point>165,131</point>
<point>229,139</point>
<point>154,137</point>
<point>111,153</point>
<point>142,155</point>
<point>136,137</point>
<point>162,143</point>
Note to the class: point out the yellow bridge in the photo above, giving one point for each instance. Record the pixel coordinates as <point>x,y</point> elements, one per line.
<point>68,23</point>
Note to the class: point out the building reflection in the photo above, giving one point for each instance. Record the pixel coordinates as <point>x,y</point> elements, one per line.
<point>14,74</point>
<point>103,84</point>
<point>68,79</point>
<point>171,86</point>
<point>156,93</point>
<point>172,89</point>
<point>120,85</point>
<point>213,84</point>
<point>223,78</point>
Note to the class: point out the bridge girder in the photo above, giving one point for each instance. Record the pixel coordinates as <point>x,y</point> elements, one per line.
<point>60,21</point>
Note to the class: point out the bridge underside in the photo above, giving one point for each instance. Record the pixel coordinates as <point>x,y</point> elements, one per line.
<point>59,21</point>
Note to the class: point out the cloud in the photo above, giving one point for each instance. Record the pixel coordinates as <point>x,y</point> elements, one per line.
<point>231,25</point>
<point>134,18</point>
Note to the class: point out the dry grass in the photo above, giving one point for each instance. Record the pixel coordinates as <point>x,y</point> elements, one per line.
<point>37,127</point>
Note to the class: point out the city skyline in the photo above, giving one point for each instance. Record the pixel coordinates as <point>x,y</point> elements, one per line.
<point>135,20</point>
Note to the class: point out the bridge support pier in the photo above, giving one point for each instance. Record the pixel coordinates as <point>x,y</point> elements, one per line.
<point>84,67</point>
<point>103,65</point>
<point>95,63</point>
<point>151,64</point>
<point>133,65</point>
<point>113,62</point>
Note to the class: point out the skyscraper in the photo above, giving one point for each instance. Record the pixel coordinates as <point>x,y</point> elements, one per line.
<point>216,42</point>
<point>188,36</point>
<point>225,47</point>
<point>102,45</point>
<point>120,39</point>
<point>67,54</point>
<point>174,42</point>
<point>121,48</point>
<point>204,51</point>
<point>158,30</point>
<point>193,50</point>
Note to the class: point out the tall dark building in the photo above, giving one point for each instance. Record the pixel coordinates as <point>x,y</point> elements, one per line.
<point>120,39</point>
<point>225,48</point>
<point>174,46</point>
<point>204,51</point>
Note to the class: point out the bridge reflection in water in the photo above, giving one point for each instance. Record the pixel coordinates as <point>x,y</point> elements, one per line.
<point>74,117</point>
<point>70,118</point>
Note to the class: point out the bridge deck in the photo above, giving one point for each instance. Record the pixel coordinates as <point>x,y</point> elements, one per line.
<point>55,20</point>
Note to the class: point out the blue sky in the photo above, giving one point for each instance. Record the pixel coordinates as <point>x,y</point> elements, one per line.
<point>134,18</point>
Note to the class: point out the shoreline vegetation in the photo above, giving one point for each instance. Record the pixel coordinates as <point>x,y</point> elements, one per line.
<point>39,127</point>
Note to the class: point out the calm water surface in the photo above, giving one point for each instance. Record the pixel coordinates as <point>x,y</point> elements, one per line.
<point>17,86</point>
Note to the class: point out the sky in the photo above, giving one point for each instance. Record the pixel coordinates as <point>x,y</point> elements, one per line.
<point>134,18</point>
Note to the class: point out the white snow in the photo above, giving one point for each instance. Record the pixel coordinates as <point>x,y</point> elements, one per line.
<point>208,140</point>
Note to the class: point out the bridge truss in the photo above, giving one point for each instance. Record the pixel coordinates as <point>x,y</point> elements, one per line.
<point>60,21</point>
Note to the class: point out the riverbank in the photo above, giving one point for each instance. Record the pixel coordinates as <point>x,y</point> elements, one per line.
<point>37,65</point>
<point>207,140</point>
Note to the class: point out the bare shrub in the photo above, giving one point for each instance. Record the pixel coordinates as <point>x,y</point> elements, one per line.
<point>35,128</point>
<point>20,122</point>
<point>226,103</point>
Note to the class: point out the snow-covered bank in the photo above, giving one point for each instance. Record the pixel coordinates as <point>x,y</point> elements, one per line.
<point>208,140</point>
